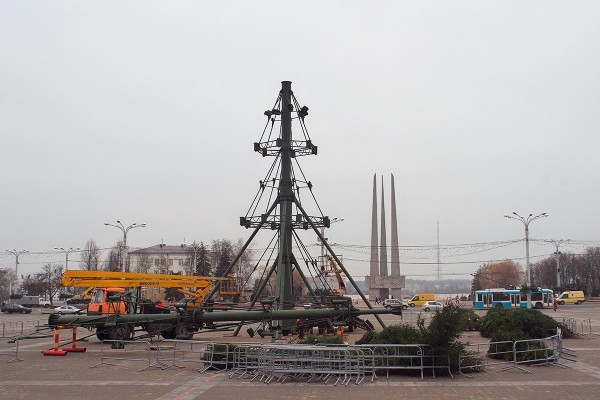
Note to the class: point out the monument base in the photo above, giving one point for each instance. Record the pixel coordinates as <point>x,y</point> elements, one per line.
<point>384,286</point>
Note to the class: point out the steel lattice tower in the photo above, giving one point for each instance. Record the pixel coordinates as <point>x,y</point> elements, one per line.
<point>286,213</point>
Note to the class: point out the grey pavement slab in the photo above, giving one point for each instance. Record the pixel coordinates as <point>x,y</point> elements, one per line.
<point>70,377</point>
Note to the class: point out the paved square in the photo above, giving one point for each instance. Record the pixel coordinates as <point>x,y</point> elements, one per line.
<point>70,377</point>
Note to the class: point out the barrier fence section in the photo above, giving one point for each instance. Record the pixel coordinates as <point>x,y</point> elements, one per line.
<point>512,354</point>
<point>207,354</point>
<point>127,352</point>
<point>322,362</point>
<point>11,350</point>
<point>580,328</point>
<point>264,362</point>
<point>282,362</point>
<point>341,364</point>
<point>536,351</point>
<point>397,357</point>
<point>483,355</point>
<point>15,328</point>
<point>246,361</point>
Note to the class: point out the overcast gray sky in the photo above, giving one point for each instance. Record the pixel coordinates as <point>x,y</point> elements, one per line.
<point>146,111</point>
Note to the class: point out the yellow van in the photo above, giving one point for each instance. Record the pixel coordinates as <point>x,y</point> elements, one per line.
<point>571,297</point>
<point>420,298</point>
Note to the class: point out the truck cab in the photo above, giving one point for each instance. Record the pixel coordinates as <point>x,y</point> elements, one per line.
<point>107,301</point>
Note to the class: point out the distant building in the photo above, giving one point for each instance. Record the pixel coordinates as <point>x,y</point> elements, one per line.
<point>161,259</point>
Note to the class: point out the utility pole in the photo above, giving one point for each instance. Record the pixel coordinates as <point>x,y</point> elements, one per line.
<point>123,229</point>
<point>70,250</point>
<point>557,253</point>
<point>438,274</point>
<point>17,254</point>
<point>195,249</point>
<point>526,222</point>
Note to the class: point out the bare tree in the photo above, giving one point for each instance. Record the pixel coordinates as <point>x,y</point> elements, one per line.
<point>52,273</point>
<point>90,256</point>
<point>36,285</point>
<point>8,279</point>
<point>500,274</point>
<point>223,255</point>
<point>544,273</point>
<point>592,255</point>
<point>113,261</point>
<point>244,267</point>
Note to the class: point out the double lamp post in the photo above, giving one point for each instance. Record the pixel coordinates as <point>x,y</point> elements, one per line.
<point>125,229</point>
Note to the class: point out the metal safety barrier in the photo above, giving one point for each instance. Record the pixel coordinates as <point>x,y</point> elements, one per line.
<point>11,350</point>
<point>580,328</point>
<point>535,351</point>
<point>396,357</point>
<point>512,354</point>
<point>483,355</point>
<point>207,354</point>
<point>322,362</point>
<point>128,351</point>
<point>246,362</point>
<point>19,328</point>
<point>585,327</point>
<point>268,362</point>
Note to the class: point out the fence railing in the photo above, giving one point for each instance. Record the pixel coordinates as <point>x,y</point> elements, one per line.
<point>19,328</point>
<point>512,354</point>
<point>340,364</point>
<point>205,354</point>
<point>128,352</point>
<point>10,349</point>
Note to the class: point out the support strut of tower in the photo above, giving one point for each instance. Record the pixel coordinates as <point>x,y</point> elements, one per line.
<point>286,213</point>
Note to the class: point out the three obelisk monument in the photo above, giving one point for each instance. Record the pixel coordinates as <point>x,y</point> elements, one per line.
<point>380,284</point>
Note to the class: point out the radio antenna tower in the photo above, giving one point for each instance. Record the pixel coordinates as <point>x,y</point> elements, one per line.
<point>438,272</point>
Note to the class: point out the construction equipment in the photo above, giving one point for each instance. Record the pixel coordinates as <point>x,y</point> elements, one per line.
<point>83,297</point>
<point>109,298</point>
<point>185,323</point>
<point>331,275</point>
<point>202,284</point>
<point>117,314</point>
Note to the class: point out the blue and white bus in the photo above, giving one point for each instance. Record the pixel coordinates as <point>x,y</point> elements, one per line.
<point>509,298</point>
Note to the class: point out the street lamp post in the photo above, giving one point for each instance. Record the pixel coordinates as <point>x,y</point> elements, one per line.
<point>557,243</point>
<point>526,222</point>
<point>124,229</point>
<point>17,254</point>
<point>195,248</point>
<point>70,250</point>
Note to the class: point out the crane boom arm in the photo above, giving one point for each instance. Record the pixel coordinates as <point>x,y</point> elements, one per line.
<point>72,278</point>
